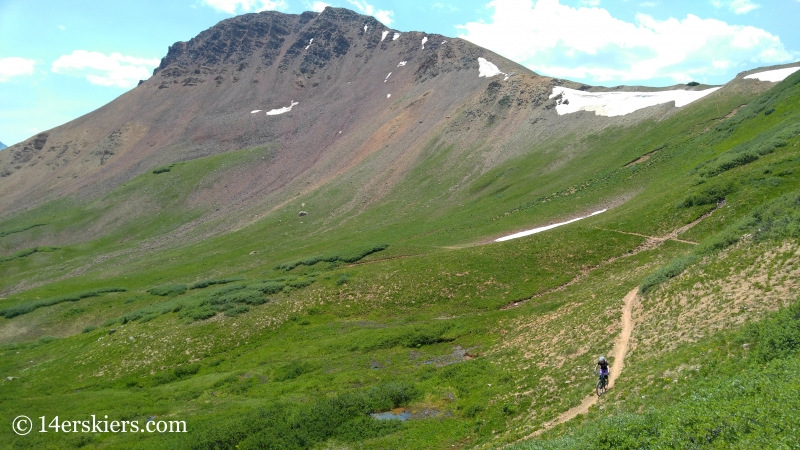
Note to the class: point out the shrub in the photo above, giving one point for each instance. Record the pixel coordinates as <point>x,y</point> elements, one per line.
<point>343,279</point>
<point>349,256</point>
<point>206,283</point>
<point>292,370</point>
<point>27,252</point>
<point>297,284</point>
<point>709,196</point>
<point>186,371</point>
<point>203,313</point>
<point>269,287</point>
<point>25,308</point>
<point>779,219</point>
<point>233,312</point>
<point>20,229</point>
<point>777,337</point>
<point>168,290</point>
<point>343,417</point>
<point>163,169</point>
<point>729,161</point>
<point>89,329</point>
<point>671,270</point>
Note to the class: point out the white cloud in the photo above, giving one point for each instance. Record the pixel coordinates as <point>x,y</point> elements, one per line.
<point>591,3</point>
<point>62,27</point>
<point>105,70</point>
<point>444,7</point>
<point>318,6</point>
<point>15,67</point>
<point>383,16</point>
<point>743,6</point>
<point>245,6</point>
<point>590,44</point>
<point>737,6</point>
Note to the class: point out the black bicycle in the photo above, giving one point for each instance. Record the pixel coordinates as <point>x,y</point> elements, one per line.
<point>602,384</point>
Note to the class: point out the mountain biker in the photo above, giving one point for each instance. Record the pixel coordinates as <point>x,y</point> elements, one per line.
<point>602,364</point>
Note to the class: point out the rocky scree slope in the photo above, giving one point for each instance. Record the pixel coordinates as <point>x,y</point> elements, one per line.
<point>340,87</point>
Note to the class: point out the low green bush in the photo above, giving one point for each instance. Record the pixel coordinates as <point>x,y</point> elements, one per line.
<point>709,195</point>
<point>5,233</point>
<point>163,169</point>
<point>214,281</point>
<point>168,290</point>
<point>25,308</point>
<point>269,287</point>
<point>343,279</point>
<point>292,370</point>
<point>27,252</point>
<point>297,284</point>
<point>235,311</point>
<point>751,151</point>
<point>671,270</point>
<point>729,161</point>
<point>409,336</point>
<point>349,256</point>
<point>777,337</point>
<point>344,417</point>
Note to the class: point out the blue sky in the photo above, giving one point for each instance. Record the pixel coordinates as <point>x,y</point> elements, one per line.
<point>62,59</point>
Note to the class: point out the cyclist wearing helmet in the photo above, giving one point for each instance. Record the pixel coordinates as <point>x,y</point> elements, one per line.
<point>602,364</point>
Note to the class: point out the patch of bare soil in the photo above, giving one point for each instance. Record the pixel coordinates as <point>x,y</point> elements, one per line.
<point>751,287</point>
<point>644,157</point>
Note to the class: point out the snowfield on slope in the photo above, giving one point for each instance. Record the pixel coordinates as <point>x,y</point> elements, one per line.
<point>285,109</point>
<point>611,104</point>
<point>773,75</point>
<point>487,69</point>
<point>545,228</point>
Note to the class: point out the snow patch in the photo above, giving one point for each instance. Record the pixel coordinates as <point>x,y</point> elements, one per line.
<point>285,109</point>
<point>388,95</point>
<point>387,77</point>
<point>545,228</point>
<point>383,35</point>
<point>774,76</point>
<point>365,29</point>
<point>309,43</point>
<point>402,63</point>
<point>396,35</point>
<point>424,40</point>
<point>255,111</point>
<point>444,42</point>
<point>611,104</point>
<point>487,69</point>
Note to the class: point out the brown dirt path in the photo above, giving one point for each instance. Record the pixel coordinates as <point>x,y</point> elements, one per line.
<point>620,349</point>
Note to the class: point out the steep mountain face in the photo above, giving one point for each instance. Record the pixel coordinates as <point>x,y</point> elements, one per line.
<point>2,146</point>
<point>325,90</point>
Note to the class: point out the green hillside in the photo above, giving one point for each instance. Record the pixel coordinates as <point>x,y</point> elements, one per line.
<point>288,332</point>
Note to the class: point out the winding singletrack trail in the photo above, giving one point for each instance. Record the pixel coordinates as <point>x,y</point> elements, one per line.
<point>620,349</point>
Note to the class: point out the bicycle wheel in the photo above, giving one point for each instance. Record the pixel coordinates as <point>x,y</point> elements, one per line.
<point>601,387</point>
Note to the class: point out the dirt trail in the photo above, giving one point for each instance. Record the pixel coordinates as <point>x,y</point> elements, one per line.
<point>620,349</point>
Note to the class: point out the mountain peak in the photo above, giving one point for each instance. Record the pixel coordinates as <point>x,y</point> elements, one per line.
<point>234,41</point>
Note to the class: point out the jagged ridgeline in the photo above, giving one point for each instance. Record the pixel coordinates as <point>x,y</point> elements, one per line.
<point>289,237</point>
